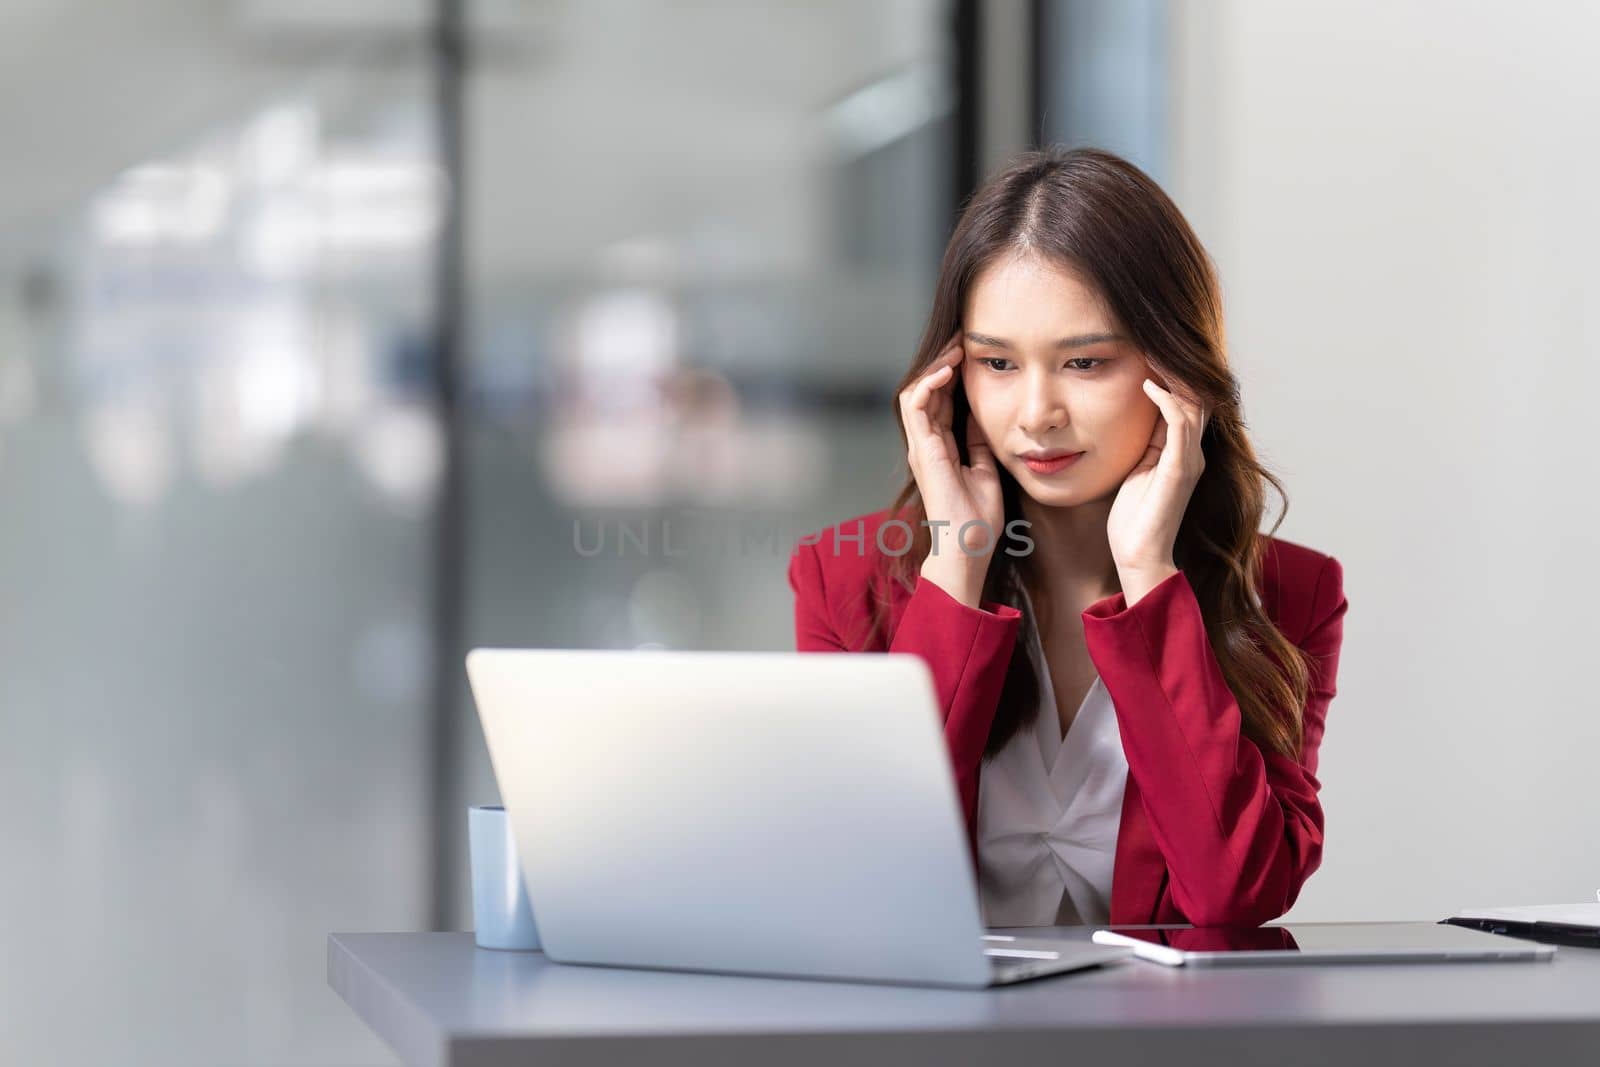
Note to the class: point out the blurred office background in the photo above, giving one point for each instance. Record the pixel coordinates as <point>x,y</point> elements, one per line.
<point>325,326</point>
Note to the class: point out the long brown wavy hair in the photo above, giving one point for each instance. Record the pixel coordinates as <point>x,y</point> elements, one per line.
<point>1097,214</point>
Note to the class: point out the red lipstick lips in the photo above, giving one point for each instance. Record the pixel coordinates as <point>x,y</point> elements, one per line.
<point>1050,460</point>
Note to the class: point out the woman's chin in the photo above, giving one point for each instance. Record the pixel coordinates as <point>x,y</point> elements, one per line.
<point>1051,493</point>
<point>1067,489</point>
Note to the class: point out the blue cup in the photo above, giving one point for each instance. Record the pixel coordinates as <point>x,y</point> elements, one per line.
<point>502,917</point>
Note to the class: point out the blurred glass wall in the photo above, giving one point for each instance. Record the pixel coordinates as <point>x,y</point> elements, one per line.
<point>217,461</point>
<point>700,240</point>
<point>1104,78</point>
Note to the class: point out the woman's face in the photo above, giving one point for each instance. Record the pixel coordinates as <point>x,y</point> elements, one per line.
<point>1046,371</point>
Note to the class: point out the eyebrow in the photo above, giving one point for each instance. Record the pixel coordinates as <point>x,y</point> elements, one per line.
<point>1080,341</point>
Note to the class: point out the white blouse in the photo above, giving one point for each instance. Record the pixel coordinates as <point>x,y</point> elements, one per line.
<point>1049,810</point>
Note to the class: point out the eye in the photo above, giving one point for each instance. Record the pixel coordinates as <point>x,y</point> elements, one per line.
<point>990,361</point>
<point>1092,363</point>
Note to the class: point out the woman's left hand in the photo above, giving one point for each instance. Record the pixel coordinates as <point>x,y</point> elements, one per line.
<point>1144,519</point>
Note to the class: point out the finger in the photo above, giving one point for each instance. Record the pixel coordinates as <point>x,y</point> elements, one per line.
<point>980,455</point>
<point>929,381</point>
<point>941,416</point>
<point>1154,448</point>
<point>1195,416</point>
<point>924,416</point>
<point>1193,410</point>
<point>940,407</point>
<point>1171,410</point>
<point>928,390</point>
<point>939,370</point>
<point>944,419</point>
<point>950,360</point>
<point>1198,415</point>
<point>948,438</point>
<point>947,355</point>
<point>1175,424</point>
<point>1182,398</point>
<point>1180,436</point>
<point>947,351</point>
<point>914,407</point>
<point>913,417</point>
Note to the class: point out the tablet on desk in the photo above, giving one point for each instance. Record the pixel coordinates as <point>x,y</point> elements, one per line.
<point>1295,943</point>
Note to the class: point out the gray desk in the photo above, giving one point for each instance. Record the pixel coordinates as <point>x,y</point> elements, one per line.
<point>438,999</point>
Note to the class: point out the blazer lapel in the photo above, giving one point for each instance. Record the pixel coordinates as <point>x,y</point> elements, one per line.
<point>1138,871</point>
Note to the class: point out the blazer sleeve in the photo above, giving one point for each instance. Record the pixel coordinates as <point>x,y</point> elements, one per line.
<point>1240,828</point>
<point>967,649</point>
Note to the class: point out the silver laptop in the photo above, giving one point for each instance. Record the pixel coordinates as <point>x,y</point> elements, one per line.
<point>766,813</point>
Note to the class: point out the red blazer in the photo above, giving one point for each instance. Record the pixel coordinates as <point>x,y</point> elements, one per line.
<point>1214,831</point>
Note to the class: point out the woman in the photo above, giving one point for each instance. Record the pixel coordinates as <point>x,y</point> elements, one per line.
<point>1133,679</point>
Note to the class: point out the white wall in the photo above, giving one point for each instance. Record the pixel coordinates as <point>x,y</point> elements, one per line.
<point>1401,199</point>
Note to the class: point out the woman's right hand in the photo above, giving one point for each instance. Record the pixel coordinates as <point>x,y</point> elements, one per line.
<point>953,494</point>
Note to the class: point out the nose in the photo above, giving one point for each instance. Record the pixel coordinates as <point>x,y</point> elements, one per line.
<point>1044,410</point>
